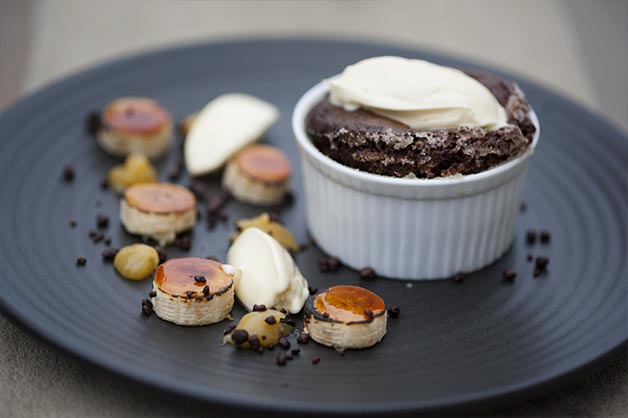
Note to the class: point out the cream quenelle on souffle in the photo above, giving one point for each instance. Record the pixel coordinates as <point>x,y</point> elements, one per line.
<point>411,118</point>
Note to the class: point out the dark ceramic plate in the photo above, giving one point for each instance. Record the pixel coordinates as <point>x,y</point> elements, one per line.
<point>479,343</point>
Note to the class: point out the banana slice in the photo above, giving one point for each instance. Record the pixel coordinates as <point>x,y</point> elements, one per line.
<point>345,317</point>
<point>193,291</point>
<point>158,210</point>
<point>225,125</point>
<point>259,175</point>
<point>135,125</point>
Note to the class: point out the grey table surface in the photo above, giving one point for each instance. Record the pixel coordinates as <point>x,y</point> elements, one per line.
<point>577,47</point>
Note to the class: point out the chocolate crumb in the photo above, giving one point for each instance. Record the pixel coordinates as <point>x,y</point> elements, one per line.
<point>541,262</point>
<point>316,360</point>
<point>200,279</point>
<point>102,221</point>
<point>109,254</point>
<point>509,275</point>
<point>73,223</point>
<point>209,297</point>
<point>367,273</point>
<point>283,311</point>
<point>303,338</point>
<point>254,342</point>
<point>189,294</point>
<point>281,359</point>
<point>270,320</point>
<point>229,328</point>
<point>459,277</point>
<point>289,321</point>
<point>162,254</point>
<point>104,183</point>
<point>96,236</point>
<point>81,261</point>
<point>537,272</point>
<point>394,312</point>
<point>152,294</point>
<point>545,236</point>
<point>93,123</point>
<point>147,302</point>
<point>529,257</point>
<point>325,314</point>
<point>206,290</point>
<point>284,343</point>
<point>295,351</point>
<point>68,173</point>
<point>289,357</point>
<point>107,241</point>
<point>530,237</point>
<point>329,264</point>
<point>259,308</point>
<point>240,336</point>
<point>147,310</point>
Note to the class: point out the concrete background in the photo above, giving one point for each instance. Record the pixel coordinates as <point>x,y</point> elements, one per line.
<point>579,48</point>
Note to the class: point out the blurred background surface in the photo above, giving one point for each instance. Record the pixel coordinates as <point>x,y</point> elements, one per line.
<point>577,47</point>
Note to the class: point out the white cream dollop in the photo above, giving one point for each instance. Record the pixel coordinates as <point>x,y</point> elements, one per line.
<point>417,93</point>
<point>269,275</point>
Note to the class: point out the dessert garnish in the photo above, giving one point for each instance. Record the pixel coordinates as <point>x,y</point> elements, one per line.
<point>136,169</point>
<point>135,261</point>
<point>259,329</point>
<point>272,228</point>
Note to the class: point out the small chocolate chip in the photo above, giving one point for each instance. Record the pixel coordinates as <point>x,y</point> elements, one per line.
<point>147,310</point>
<point>206,290</point>
<point>541,262</point>
<point>68,173</point>
<point>259,308</point>
<point>545,236</point>
<point>189,294</point>
<point>394,312</point>
<point>73,223</point>
<point>270,320</point>
<point>147,302</point>
<point>295,351</point>
<point>96,236</point>
<point>281,359</point>
<point>316,360</point>
<point>209,297</point>
<point>537,272</point>
<point>152,294</point>
<point>93,123</point>
<point>107,241</point>
<point>283,311</point>
<point>329,264</point>
<point>529,257</point>
<point>109,254</point>
<point>254,342</point>
<point>325,314</point>
<point>240,336</point>
<point>81,261</point>
<point>229,329</point>
<point>459,277</point>
<point>289,321</point>
<point>200,279</point>
<point>312,290</point>
<point>163,256</point>
<point>102,221</point>
<point>303,338</point>
<point>367,273</point>
<point>104,184</point>
<point>509,275</point>
<point>530,237</point>
<point>284,343</point>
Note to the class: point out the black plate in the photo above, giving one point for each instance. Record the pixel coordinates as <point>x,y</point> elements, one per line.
<point>455,345</point>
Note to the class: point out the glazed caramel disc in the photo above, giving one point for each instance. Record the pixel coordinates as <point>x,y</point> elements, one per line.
<point>135,115</point>
<point>176,277</point>
<point>348,304</point>
<point>264,163</point>
<point>160,198</point>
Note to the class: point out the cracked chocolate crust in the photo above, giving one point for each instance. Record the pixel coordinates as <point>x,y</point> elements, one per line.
<point>364,140</point>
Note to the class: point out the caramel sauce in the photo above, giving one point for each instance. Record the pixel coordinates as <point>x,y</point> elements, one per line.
<point>176,276</point>
<point>135,115</point>
<point>160,198</point>
<point>265,163</point>
<point>348,303</point>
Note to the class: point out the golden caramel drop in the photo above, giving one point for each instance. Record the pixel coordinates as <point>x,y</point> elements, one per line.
<point>136,262</point>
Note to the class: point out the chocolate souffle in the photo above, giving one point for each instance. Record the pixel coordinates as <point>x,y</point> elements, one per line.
<point>376,144</point>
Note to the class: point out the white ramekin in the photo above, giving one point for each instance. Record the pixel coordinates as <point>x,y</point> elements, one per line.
<point>413,229</point>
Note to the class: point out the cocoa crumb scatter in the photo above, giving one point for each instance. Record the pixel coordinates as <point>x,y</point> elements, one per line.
<point>109,254</point>
<point>68,173</point>
<point>329,264</point>
<point>545,236</point>
<point>281,359</point>
<point>259,308</point>
<point>303,338</point>
<point>529,257</point>
<point>284,343</point>
<point>295,351</point>
<point>73,223</point>
<point>509,275</point>
<point>530,237</point>
<point>81,261</point>
<point>147,307</point>
<point>367,273</point>
<point>152,294</point>
<point>394,312</point>
<point>102,221</point>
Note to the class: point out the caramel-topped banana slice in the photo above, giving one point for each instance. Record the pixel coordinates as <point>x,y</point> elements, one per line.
<point>193,291</point>
<point>135,125</point>
<point>345,317</point>
<point>258,174</point>
<point>158,210</point>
